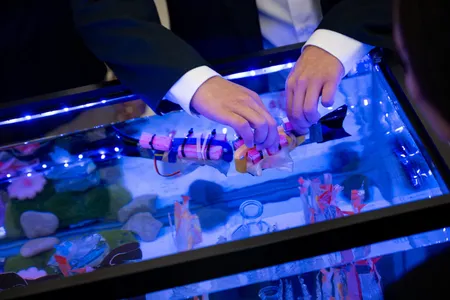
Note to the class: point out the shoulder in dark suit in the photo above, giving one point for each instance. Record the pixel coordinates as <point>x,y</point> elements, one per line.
<point>127,35</point>
<point>224,28</point>
<point>368,21</point>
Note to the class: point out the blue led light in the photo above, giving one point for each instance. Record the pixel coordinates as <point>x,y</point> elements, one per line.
<point>65,109</point>
<point>262,71</point>
<point>116,149</point>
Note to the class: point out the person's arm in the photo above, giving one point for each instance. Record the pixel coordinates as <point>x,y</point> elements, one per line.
<point>146,57</point>
<point>154,63</point>
<point>367,21</point>
<point>350,29</point>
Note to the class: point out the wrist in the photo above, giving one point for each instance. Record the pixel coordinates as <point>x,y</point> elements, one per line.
<point>202,92</point>
<point>184,90</point>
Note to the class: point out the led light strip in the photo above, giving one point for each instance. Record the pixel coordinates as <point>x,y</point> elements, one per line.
<point>252,73</point>
<point>64,110</point>
<point>258,72</point>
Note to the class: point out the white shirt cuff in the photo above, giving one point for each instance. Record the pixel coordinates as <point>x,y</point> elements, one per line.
<point>346,49</point>
<point>184,89</point>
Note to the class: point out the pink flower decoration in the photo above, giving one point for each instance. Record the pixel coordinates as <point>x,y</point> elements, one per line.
<point>32,273</point>
<point>27,187</point>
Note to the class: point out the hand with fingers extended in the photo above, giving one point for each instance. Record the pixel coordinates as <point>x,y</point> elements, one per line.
<point>240,108</point>
<point>316,74</point>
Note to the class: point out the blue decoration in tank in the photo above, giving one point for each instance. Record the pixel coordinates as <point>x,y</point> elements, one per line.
<point>93,255</point>
<point>88,250</point>
<point>64,248</point>
<point>60,155</point>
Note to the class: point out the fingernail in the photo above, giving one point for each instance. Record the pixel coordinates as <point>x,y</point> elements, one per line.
<point>301,130</point>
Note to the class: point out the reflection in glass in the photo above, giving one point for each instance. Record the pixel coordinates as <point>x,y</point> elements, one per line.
<point>360,279</point>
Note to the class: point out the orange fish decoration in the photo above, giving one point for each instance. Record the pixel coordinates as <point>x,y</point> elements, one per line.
<point>357,197</point>
<point>188,231</point>
<point>67,270</point>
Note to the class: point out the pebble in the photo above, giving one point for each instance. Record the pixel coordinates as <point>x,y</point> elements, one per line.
<point>37,224</point>
<point>145,203</point>
<point>144,225</point>
<point>37,246</point>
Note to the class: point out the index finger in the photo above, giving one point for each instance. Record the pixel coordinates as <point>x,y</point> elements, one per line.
<point>272,136</point>
<point>299,121</point>
<point>242,128</point>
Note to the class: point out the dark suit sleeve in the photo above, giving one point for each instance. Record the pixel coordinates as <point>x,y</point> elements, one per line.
<point>127,35</point>
<point>368,21</point>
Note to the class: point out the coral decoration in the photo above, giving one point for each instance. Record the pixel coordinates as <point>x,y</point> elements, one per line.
<point>32,273</point>
<point>26,187</point>
<point>188,232</point>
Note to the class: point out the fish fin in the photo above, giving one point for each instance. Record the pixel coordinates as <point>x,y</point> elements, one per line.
<point>186,200</point>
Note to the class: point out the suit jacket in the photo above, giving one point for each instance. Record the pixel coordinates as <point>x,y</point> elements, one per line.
<point>54,45</point>
<point>222,28</point>
<point>57,52</point>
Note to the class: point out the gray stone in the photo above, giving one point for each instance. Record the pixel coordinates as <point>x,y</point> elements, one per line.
<point>37,246</point>
<point>145,203</point>
<point>37,224</point>
<point>144,225</point>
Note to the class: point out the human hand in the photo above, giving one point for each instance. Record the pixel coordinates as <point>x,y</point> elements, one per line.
<point>240,108</point>
<point>316,73</point>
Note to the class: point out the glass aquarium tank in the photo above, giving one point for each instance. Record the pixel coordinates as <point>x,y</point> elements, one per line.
<point>176,207</point>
